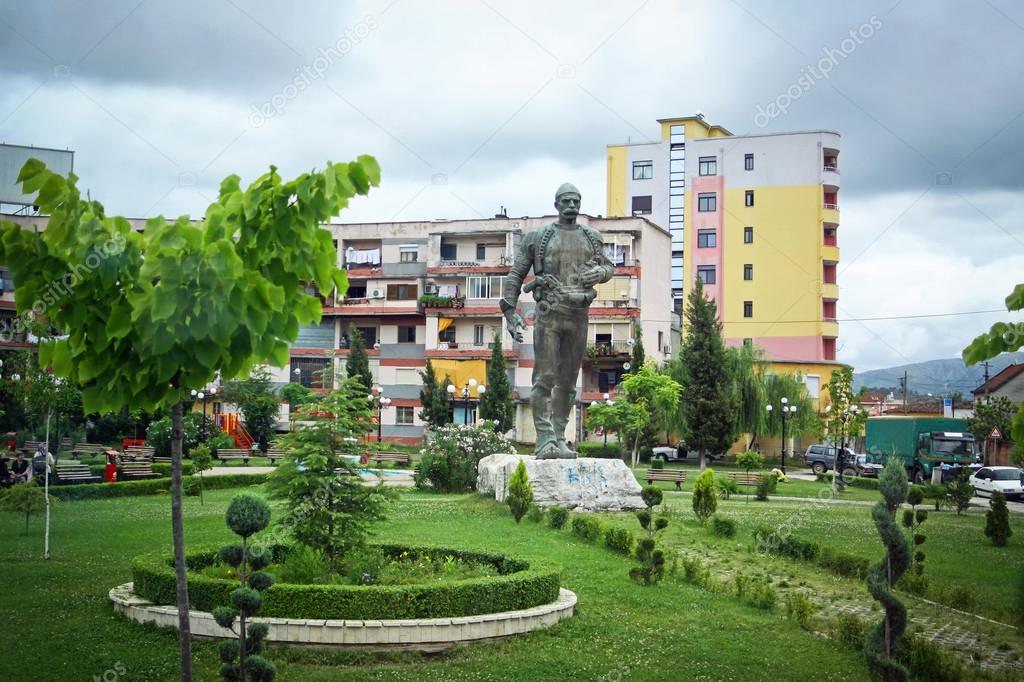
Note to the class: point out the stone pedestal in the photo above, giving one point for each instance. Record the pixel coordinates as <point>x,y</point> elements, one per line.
<point>583,484</point>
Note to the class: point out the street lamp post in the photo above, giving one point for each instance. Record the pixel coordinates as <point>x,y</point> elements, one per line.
<point>465,394</point>
<point>379,402</point>
<point>607,401</point>
<point>787,411</point>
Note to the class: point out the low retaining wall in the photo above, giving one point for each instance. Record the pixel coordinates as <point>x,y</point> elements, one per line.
<point>428,634</point>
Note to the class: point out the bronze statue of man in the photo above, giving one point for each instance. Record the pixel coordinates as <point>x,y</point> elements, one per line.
<point>567,260</point>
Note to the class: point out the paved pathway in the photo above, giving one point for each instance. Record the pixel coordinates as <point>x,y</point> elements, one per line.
<point>392,478</point>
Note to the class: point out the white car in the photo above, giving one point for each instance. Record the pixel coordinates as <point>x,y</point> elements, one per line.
<point>1007,480</point>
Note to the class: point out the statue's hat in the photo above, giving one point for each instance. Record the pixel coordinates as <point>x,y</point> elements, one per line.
<point>567,188</point>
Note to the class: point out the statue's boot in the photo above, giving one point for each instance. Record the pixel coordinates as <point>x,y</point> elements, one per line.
<point>561,404</point>
<point>547,446</point>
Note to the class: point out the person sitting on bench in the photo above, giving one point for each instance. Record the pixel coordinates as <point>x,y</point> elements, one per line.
<point>20,468</point>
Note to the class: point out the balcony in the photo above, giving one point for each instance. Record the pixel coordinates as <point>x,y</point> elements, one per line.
<point>608,349</point>
<point>497,266</point>
<point>432,301</point>
<point>468,351</point>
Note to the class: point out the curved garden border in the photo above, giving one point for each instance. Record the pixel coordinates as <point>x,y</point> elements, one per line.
<point>518,586</point>
<point>427,634</point>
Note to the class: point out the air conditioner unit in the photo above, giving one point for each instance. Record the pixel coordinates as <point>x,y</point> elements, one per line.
<point>430,288</point>
<point>667,350</point>
<point>376,293</point>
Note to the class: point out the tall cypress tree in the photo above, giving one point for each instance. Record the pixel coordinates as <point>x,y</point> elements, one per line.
<point>638,359</point>
<point>708,401</point>
<point>358,364</point>
<point>428,395</point>
<point>496,403</point>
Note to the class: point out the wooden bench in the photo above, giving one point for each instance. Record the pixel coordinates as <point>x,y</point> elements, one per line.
<point>134,470</point>
<point>66,444</point>
<point>30,446</point>
<point>677,476</point>
<point>274,454</point>
<point>396,457</point>
<point>744,478</point>
<point>74,472</point>
<point>159,459</point>
<point>88,449</point>
<point>139,454</point>
<point>227,454</point>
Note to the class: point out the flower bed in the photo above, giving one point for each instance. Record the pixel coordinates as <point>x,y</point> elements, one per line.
<point>518,585</point>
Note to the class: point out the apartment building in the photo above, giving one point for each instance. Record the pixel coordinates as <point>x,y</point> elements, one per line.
<point>756,219</point>
<point>421,290</point>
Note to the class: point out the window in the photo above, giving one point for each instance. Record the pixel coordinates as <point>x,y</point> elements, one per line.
<point>449,251</point>
<point>748,309</point>
<point>748,271</point>
<point>748,235</point>
<point>813,384</point>
<point>484,287</point>
<point>481,251</point>
<point>356,291</point>
<point>828,273</point>
<point>748,343</point>
<point>369,336</point>
<point>6,283</point>
<point>447,335</point>
<point>706,274</point>
<point>748,162</point>
<point>828,310</point>
<point>748,198</point>
<point>403,415</point>
<point>706,239</point>
<point>828,348</point>
<point>406,334</point>
<point>642,205</point>
<point>310,372</point>
<point>478,334</point>
<point>401,292</point>
<point>661,340</point>
<point>707,201</point>
<point>707,165</point>
<point>409,253</point>
<point>643,170</point>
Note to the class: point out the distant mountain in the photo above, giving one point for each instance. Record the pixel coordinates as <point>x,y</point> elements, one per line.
<point>939,377</point>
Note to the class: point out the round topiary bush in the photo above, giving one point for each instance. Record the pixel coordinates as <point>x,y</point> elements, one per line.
<point>518,585</point>
<point>248,514</point>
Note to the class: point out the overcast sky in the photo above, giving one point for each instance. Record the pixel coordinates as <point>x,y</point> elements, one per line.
<point>472,104</point>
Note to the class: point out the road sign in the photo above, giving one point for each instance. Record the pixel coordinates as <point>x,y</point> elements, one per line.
<point>996,434</point>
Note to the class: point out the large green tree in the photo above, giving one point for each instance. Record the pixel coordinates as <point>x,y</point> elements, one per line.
<point>496,403</point>
<point>746,375</point>
<point>358,363</point>
<point>650,394</point>
<point>843,420</point>
<point>701,368</point>
<point>208,298</point>
<point>436,410</point>
<point>991,413</point>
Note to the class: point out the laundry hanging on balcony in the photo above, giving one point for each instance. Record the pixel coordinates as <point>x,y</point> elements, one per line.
<point>443,323</point>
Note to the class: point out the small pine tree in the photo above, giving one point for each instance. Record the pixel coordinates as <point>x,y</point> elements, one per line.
<point>201,461</point>
<point>496,403</point>
<point>705,500</point>
<point>247,514</point>
<point>520,495</point>
<point>997,520</point>
<point>358,363</point>
<point>427,395</point>
<point>960,491</point>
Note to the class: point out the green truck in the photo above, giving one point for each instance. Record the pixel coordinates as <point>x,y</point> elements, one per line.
<point>922,443</point>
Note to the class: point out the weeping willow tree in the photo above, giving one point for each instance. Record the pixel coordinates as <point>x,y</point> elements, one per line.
<point>746,369</point>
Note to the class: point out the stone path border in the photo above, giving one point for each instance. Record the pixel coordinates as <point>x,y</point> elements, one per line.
<point>428,634</point>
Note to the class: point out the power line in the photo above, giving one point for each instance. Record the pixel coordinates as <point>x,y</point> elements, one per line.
<point>874,319</point>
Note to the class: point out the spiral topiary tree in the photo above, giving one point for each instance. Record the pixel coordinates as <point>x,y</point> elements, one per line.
<point>247,514</point>
<point>912,520</point>
<point>652,559</point>
<point>880,647</point>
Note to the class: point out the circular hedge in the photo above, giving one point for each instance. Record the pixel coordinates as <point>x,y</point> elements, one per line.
<point>518,585</point>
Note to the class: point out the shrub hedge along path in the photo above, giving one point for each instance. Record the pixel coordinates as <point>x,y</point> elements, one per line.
<point>620,631</point>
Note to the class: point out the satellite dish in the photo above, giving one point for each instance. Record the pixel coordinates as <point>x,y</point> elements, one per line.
<point>626,366</point>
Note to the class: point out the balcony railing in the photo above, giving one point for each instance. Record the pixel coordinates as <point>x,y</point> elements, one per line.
<point>504,261</point>
<point>831,205</point>
<point>601,349</point>
<point>362,266</point>
<point>831,168</point>
<point>435,301</point>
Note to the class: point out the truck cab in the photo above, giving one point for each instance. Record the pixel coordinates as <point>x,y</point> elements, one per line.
<point>922,443</point>
<point>953,448</point>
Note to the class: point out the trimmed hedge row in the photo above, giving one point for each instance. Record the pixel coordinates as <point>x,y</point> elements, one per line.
<point>153,486</point>
<point>520,585</point>
<point>841,563</point>
<point>852,481</point>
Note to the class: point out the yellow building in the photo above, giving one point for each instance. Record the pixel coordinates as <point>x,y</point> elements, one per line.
<point>756,219</point>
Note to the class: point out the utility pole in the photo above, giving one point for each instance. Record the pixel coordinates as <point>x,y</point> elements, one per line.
<point>985,365</point>
<point>903,385</point>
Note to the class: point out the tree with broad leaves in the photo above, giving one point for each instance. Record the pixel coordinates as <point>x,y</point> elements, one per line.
<point>649,394</point>
<point>843,420</point>
<point>208,299</point>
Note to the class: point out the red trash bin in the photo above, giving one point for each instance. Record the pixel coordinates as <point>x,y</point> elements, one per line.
<point>110,473</point>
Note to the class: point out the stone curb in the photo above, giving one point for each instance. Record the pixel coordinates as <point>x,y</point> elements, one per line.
<point>428,634</point>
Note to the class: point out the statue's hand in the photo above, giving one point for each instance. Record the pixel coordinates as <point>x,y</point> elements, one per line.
<point>515,324</point>
<point>592,275</point>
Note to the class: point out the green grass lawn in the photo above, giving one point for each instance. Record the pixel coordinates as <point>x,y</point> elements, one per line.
<point>792,488</point>
<point>621,630</point>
